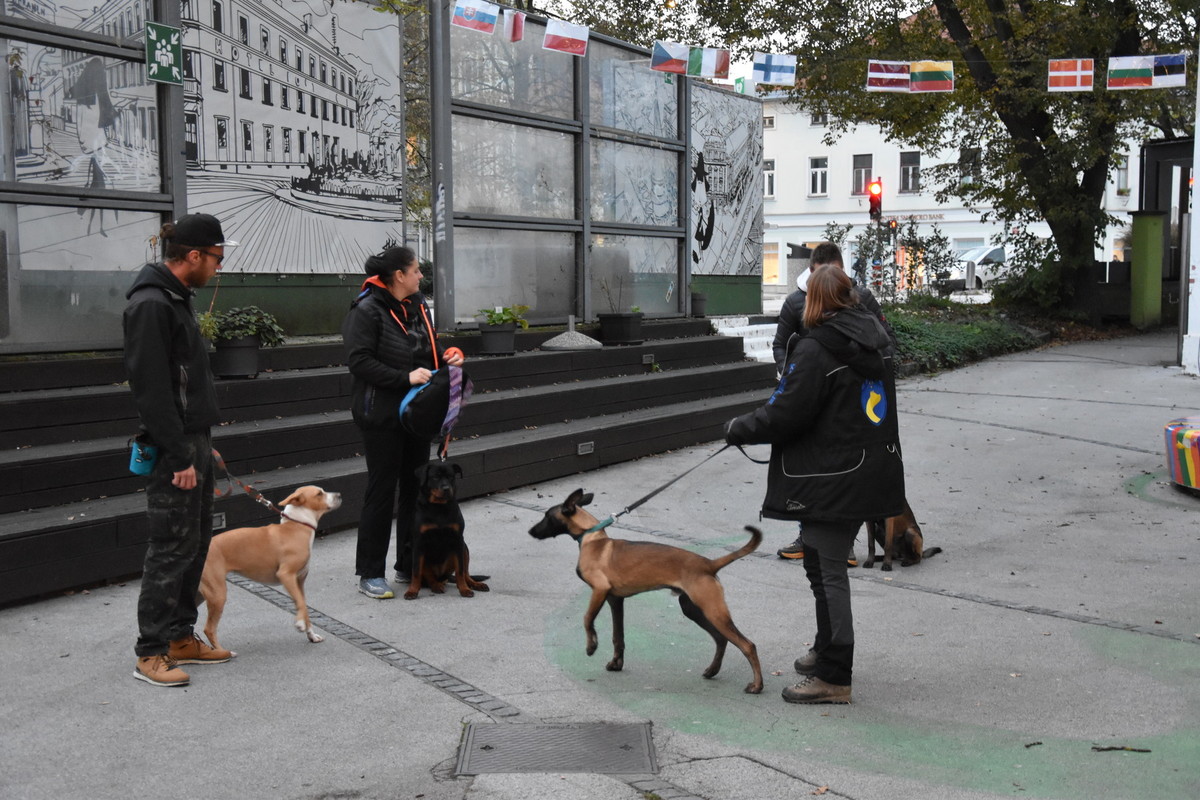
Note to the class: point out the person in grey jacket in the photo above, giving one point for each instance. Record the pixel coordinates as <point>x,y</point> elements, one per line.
<point>835,461</point>
<point>167,364</point>
<point>391,346</point>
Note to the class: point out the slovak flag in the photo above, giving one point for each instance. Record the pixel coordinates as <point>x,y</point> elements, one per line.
<point>478,15</point>
<point>565,37</point>
<point>514,25</point>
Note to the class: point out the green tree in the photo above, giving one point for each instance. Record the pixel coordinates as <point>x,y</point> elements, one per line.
<point>1000,140</point>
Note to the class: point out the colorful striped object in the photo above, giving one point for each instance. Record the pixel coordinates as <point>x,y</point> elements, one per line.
<point>887,76</point>
<point>1183,451</point>
<point>931,76</point>
<point>1069,75</point>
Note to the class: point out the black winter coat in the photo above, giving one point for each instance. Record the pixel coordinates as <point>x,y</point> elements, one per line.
<point>166,360</point>
<point>385,339</point>
<point>831,422</point>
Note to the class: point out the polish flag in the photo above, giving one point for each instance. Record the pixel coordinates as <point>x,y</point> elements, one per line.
<point>565,37</point>
<point>514,25</point>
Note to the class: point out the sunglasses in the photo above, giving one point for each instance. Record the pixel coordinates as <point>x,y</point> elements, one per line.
<point>219,258</point>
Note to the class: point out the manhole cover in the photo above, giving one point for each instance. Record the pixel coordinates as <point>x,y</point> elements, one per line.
<point>602,747</point>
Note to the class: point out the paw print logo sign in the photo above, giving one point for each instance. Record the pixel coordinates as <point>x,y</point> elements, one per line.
<point>164,54</point>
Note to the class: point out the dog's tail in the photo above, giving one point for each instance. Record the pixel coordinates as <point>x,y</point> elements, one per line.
<point>931,551</point>
<point>749,547</point>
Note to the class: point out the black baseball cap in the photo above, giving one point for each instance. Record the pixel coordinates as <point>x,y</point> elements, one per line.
<point>200,230</point>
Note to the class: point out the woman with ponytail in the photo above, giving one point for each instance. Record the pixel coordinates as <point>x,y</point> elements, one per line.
<point>391,346</point>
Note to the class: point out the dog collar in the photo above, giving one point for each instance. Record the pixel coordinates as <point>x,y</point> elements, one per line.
<point>599,526</point>
<point>298,521</point>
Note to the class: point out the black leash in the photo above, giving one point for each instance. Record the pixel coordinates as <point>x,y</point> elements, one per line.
<point>606,522</point>
<point>247,488</point>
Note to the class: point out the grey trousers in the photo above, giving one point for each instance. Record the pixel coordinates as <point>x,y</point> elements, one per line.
<point>826,548</point>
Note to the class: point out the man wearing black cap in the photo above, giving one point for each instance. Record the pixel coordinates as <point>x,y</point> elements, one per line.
<point>167,363</point>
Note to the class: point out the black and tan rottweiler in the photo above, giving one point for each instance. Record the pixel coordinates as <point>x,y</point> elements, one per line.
<point>616,569</point>
<point>439,549</point>
<point>900,537</point>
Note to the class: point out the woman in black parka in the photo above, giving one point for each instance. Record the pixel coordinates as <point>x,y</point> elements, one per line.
<point>391,346</point>
<point>835,461</point>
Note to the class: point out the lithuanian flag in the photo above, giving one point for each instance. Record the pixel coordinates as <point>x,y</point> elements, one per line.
<point>931,76</point>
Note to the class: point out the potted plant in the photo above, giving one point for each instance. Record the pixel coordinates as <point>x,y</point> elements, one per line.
<point>618,326</point>
<point>498,331</point>
<point>237,335</point>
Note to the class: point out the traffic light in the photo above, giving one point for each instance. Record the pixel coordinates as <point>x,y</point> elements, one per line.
<point>875,198</point>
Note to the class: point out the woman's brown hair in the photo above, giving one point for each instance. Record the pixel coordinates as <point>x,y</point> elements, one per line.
<point>829,291</point>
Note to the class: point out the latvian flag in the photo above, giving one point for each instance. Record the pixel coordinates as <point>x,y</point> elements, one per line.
<point>565,37</point>
<point>931,76</point>
<point>514,25</point>
<point>708,62</point>
<point>774,69</point>
<point>1146,72</point>
<point>670,57</point>
<point>478,15</point>
<point>887,76</point>
<point>1069,75</point>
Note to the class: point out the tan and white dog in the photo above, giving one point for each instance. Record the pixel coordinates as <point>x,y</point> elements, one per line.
<point>276,554</point>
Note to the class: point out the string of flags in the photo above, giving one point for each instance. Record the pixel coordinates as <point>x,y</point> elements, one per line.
<point>1062,74</point>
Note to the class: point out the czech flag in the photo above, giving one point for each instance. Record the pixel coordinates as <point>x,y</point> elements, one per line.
<point>670,57</point>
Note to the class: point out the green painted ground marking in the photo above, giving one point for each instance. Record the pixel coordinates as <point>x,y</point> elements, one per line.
<point>666,653</point>
<point>1139,487</point>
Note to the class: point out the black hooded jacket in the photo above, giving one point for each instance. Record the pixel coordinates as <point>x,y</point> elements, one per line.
<point>166,360</point>
<point>831,422</point>
<point>385,339</point>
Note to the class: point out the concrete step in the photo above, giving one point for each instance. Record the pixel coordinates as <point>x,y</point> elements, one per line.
<point>757,337</point>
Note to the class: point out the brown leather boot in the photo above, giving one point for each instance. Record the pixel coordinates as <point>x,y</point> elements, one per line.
<point>814,690</point>
<point>194,650</point>
<point>160,670</point>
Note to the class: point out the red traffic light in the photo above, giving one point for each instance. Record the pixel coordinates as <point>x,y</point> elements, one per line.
<point>875,199</point>
<point>875,188</point>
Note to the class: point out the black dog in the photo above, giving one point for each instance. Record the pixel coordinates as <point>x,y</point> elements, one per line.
<point>439,550</point>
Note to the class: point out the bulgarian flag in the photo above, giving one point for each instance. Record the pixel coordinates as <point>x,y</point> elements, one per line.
<point>1069,75</point>
<point>670,57</point>
<point>887,76</point>
<point>1146,72</point>
<point>478,15</point>
<point>931,76</point>
<point>565,37</point>
<point>708,62</point>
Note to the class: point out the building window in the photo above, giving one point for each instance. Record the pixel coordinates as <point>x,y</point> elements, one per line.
<point>819,119</point>
<point>862,174</point>
<point>324,78</point>
<point>244,30</point>
<point>268,141</point>
<point>222,133</point>
<point>910,171</point>
<point>284,94</point>
<point>312,106</point>
<point>219,76</point>
<point>286,140</point>
<point>818,176</point>
<point>283,51</point>
<point>769,177</point>
<point>266,99</point>
<point>970,170</point>
<point>218,10</point>
<point>350,86</point>
<point>325,109</point>
<point>265,36</point>
<point>186,11</point>
<point>248,140</point>
<point>312,67</point>
<point>768,122</point>
<point>771,273</point>
<point>1122,177</point>
<point>244,87</point>
<point>302,140</point>
<point>190,59</point>
<point>299,102</point>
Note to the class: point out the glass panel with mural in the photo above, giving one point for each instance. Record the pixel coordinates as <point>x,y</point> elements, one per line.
<point>81,120</point>
<point>634,185</point>
<point>494,172</point>
<point>123,21</point>
<point>514,76</point>
<point>509,268</point>
<point>71,281</point>
<point>627,95</point>
<point>634,273</point>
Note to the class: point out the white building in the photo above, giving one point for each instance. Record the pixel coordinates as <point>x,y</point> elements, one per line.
<point>808,184</point>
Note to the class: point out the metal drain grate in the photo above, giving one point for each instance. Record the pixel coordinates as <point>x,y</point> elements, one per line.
<point>603,748</point>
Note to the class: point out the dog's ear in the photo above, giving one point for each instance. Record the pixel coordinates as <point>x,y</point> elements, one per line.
<point>586,499</point>
<point>295,498</point>
<point>457,469</point>
<point>568,506</point>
